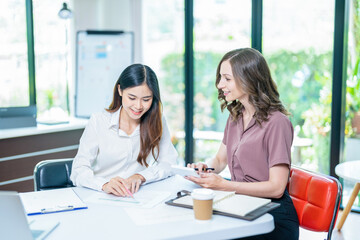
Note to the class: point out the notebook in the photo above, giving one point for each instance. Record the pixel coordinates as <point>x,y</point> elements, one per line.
<point>230,204</point>
<point>14,224</point>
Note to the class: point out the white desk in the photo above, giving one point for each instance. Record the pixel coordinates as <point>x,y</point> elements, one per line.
<point>349,171</point>
<point>109,222</point>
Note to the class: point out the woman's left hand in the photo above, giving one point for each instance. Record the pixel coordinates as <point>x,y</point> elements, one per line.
<point>209,180</point>
<point>134,182</point>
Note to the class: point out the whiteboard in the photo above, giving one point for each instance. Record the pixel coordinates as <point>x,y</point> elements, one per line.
<point>101,56</point>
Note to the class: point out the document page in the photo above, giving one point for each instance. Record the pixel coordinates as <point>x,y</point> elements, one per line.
<point>240,204</point>
<point>159,214</point>
<point>143,198</point>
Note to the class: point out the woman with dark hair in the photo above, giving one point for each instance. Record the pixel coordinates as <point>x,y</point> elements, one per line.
<point>257,139</point>
<point>128,144</point>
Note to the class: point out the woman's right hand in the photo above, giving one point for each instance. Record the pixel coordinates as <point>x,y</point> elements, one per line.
<point>200,166</point>
<point>117,186</point>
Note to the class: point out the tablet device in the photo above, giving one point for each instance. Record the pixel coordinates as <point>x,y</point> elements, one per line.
<point>184,171</point>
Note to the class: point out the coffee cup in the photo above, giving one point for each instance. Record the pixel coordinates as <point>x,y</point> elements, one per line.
<point>203,203</point>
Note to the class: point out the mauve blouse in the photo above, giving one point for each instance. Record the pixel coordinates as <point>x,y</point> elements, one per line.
<point>253,151</point>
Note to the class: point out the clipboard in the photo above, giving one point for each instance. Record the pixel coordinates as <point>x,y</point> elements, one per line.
<point>51,201</point>
<point>249,216</point>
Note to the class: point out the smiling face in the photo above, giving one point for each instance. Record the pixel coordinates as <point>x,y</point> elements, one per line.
<point>227,84</point>
<point>136,101</point>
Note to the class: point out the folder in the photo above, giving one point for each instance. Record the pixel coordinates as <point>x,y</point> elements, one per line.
<point>230,204</point>
<point>51,201</point>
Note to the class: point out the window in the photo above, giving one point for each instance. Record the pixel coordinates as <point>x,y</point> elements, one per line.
<point>14,81</point>
<point>352,122</point>
<point>298,43</point>
<point>219,26</point>
<point>163,51</point>
<point>51,59</point>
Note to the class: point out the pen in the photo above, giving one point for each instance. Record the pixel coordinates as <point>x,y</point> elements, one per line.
<point>205,169</point>
<point>128,191</point>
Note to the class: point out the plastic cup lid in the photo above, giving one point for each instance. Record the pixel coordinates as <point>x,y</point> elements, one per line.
<point>202,194</point>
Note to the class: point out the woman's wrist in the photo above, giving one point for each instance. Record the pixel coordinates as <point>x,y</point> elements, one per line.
<point>103,186</point>
<point>141,177</point>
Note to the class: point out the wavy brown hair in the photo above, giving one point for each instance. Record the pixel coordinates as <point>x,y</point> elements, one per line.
<point>252,75</point>
<point>150,123</point>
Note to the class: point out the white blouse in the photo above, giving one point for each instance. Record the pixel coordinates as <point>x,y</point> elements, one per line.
<point>105,151</point>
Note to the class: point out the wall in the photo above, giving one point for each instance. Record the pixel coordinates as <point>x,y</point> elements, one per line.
<point>104,15</point>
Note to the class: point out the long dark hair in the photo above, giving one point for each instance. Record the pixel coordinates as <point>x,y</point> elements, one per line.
<point>150,123</point>
<point>252,75</point>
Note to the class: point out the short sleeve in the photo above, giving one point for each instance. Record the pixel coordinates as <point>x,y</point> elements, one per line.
<point>279,137</point>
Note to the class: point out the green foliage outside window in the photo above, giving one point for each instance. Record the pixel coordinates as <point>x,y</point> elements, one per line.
<point>300,76</point>
<point>207,112</point>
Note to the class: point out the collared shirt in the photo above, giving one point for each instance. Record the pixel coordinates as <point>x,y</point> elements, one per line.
<point>251,152</point>
<point>105,151</point>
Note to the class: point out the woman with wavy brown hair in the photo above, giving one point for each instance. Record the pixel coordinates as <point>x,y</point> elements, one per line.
<point>129,143</point>
<point>257,139</point>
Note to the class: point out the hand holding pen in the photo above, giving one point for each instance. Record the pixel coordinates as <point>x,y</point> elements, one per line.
<point>135,182</point>
<point>115,186</point>
<point>124,187</point>
<point>200,167</point>
<point>205,169</point>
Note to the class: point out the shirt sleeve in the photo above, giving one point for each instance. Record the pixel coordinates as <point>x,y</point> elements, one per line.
<point>279,139</point>
<point>82,174</point>
<point>161,168</point>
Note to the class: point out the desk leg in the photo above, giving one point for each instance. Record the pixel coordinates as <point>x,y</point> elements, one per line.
<point>348,206</point>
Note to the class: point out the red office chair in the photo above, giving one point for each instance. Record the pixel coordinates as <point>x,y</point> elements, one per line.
<point>316,198</point>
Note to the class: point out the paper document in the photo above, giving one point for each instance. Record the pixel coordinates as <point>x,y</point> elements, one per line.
<point>159,214</point>
<point>49,201</point>
<point>240,204</point>
<point>143,198</point>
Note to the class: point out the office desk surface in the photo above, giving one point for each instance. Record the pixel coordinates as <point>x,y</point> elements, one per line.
<point>109,222</point>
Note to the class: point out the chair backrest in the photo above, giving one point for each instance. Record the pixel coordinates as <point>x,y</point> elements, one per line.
<point>52,174</point>
<point>316,198</point>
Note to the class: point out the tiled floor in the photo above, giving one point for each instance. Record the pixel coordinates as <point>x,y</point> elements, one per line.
<point>349,231</point>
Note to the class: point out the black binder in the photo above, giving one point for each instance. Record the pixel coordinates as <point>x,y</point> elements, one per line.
<point>250,216</point>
